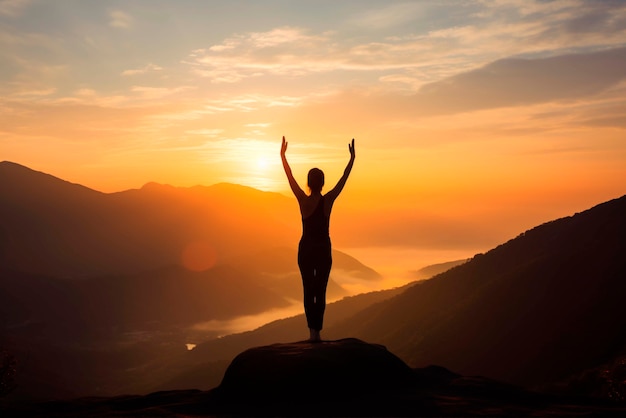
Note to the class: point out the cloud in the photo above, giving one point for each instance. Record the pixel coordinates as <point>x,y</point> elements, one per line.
<point>489,31</point>
<point>136,96</point>
<point>517,81</point>
<point>252,102</point>
<point>205,132</point>
<point>610,113</point>
<point>611,121</point>
<point>283,51</point>
<point>293,52</point>
<point>13,8</point>
<point>525,8</point>
<point>39,92</point>
<point>280,36</point>
<point>154,93</point>
<point>85,92</point>
<point>389,16</point>
<point>146,69</point>
<point>120,19</point>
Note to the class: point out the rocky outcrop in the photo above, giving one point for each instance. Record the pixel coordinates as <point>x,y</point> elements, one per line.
<point>303,371</point>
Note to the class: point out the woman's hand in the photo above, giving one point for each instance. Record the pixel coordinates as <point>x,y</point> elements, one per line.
<point>300,195</point>
<point>283,147</point>
<point>350,148</point>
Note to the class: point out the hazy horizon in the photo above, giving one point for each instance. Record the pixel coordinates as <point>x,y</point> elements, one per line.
<point>396,259</point>
<point>396,263</point>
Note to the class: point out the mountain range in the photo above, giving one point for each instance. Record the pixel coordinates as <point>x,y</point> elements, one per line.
<point>542,310</point>
<point>88,275</point>
<point>155,242</point>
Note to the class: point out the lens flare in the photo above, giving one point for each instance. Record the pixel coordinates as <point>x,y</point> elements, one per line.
<point>198,256</point>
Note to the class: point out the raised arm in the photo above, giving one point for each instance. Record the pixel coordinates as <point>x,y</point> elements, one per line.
<point>346,173</point>
<point>295,188</point>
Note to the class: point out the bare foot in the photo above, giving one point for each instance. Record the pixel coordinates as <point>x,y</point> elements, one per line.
<point>314,336</point>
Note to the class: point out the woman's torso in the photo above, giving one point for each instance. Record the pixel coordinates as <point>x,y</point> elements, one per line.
<point>315,211</point>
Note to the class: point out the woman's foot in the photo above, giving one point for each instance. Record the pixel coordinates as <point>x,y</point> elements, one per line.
<point>314,336</point>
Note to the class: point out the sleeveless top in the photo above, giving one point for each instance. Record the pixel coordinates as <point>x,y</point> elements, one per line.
<point>315,226</point>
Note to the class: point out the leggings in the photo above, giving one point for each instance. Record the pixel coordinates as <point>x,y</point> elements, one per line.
<point>315,261</point>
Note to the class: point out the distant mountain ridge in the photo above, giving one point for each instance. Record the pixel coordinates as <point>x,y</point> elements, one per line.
<point>119,271</point>
<point>540,308</point>
<point>54,227</point>
<point>434,269</point>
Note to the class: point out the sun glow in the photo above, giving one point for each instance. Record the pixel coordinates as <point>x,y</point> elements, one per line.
<point>262,163</point>
<point>259,166</point>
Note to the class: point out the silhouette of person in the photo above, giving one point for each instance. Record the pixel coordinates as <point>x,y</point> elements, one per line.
<point>314,249</point>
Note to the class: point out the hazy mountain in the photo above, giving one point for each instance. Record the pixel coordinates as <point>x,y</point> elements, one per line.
<point>84,310</point>
<point>122,278</point>
<point>434,269</point>
<point>539,308</point>
<point>53,227</point>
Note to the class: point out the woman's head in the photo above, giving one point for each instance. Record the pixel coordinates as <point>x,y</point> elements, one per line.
<point>315,180</point>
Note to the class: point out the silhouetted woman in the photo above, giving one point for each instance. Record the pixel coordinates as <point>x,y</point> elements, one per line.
<point>314,250</point>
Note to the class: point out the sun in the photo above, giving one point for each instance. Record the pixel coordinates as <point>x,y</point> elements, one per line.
<point>262,163</point>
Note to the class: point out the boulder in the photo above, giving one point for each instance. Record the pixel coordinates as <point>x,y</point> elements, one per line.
<point>304,371</point>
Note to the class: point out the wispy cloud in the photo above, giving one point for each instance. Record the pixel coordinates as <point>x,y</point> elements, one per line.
<point>205,132</point>
<point>283,51</point>
<point>258,125</point>
<point>251,102</point>
<point>145,69</point>
<point>153,93</point>
<point>120,19</point>
<point>38,92</point>
<point>494,31</point>
<point>389,15</point>
<point>13,8</point>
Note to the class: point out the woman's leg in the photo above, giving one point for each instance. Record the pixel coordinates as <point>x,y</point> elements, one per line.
<point>315,263</point>
<point>318,288</point>
<point>307,271</point>
<point>308,286</point>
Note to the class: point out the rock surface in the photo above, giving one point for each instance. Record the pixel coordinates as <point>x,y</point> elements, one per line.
<point>314,371</point>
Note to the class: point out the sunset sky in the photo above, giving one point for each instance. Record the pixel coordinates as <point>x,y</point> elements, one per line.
<point>474,120</point>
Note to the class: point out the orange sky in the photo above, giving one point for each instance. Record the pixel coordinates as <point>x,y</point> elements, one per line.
<point>474,120</point>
